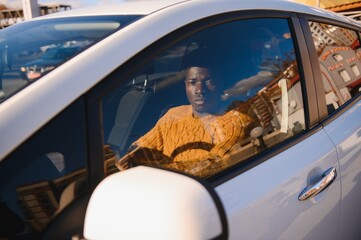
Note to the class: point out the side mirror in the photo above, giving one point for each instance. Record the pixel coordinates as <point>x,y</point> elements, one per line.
<point>150,203</point>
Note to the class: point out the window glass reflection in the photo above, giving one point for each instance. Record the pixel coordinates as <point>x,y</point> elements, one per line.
<point>43,175</point>
<point>208,103</point>
<point>30,50</point>
<point>339,55</point>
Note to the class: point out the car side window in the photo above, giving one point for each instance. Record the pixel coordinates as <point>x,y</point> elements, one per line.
<point>339,55</point>
<point>207,103</point>
<point>43,175</point>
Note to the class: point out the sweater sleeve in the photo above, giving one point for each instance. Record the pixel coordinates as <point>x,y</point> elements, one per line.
<point>236,126</point>
<point>155,138</point>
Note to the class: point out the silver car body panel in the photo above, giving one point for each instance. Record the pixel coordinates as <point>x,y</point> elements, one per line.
<point>345,133</point>
<point>262,203</point>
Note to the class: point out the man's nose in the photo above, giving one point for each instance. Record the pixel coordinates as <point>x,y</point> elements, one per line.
<point>200,87</point>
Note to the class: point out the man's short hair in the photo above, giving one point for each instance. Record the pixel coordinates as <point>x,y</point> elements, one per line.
<point>202,58</point>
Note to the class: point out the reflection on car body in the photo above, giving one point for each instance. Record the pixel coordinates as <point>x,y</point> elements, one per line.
<point>262,142</point>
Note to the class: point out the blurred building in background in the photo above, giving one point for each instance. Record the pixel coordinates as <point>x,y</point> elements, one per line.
<point>26,10</point>
<point>330,4</point>
<point>350,8</point>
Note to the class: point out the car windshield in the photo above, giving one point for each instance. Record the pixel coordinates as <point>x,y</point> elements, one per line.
<point>29,50</point>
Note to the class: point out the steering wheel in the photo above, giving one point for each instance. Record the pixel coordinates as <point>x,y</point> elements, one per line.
<point>201,167</point>
<point>192,145</point>
<point>143,156</point>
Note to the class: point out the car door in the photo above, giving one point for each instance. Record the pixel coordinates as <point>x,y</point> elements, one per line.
<point>266,71</point>
<point>263,201</point>
<point>339,64</point>
<point>345,132</point>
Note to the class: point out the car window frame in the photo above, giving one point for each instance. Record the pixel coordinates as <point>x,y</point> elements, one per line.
<point>120,75</point>
<point>325,117</point>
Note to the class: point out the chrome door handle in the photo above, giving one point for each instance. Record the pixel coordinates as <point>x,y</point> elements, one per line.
<point>326,180</point>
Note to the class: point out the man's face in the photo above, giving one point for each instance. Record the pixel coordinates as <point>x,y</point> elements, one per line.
<point>201,91</point>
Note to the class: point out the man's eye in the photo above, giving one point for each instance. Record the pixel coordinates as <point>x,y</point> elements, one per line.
<point>191,82</point>
<point>209,82</point>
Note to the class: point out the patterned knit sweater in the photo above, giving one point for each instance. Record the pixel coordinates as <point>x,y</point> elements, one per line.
<point>196,145</point>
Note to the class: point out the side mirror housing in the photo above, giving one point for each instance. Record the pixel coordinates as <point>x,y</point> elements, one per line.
<point>150,203</point>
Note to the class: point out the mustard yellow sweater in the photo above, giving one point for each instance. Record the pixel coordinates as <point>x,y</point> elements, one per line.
<point>196,145</point>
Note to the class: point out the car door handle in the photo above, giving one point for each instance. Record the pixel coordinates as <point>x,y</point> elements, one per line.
<point>324,182</point>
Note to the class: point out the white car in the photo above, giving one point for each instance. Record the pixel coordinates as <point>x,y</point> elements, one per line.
<point>276,156</point>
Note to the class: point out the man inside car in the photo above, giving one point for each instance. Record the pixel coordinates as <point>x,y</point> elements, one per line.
<point>196,138</point>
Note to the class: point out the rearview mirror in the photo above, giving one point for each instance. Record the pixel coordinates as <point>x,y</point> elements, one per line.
<point>149,203</point>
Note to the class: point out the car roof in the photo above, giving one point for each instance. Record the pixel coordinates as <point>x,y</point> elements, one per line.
<point>146,7</point>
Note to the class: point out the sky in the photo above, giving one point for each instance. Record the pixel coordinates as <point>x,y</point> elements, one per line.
<point>16,4</point>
